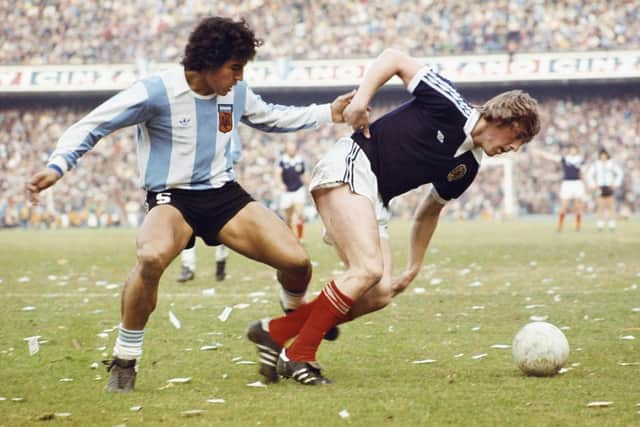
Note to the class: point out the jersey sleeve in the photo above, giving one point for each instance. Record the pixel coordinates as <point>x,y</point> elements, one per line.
<point>268,117</point>
<point>123,109</point>
<point>457,181</point>
<point>438,93</point>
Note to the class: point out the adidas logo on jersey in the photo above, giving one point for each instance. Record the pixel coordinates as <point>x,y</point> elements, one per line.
<point>184,121</point>
<point>440,137</point>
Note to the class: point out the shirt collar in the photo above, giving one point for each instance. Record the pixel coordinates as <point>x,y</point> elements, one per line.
<point>467,145</point>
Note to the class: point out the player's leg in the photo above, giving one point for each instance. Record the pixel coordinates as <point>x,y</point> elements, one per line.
<point>352,227</point>
<point>259,234</point>
<point>610,212</point>
<point>188,265</point>
<point>222,253</point>
<point>164,233</point>
<point>600,211</point>
<point>564,202</point>
<point>298,220</point>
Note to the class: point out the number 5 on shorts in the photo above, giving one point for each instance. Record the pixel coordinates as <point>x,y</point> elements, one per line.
<point>163,198</point>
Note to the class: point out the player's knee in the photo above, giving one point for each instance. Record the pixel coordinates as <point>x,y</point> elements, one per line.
<point>150,262</point>
<point>368,274</point>
<point>299,264</point>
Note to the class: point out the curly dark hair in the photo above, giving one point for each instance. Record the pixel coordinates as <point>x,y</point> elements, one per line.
<point>216,40</point>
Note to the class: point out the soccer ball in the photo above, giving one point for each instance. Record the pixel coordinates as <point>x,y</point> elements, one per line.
<point>540,349</point>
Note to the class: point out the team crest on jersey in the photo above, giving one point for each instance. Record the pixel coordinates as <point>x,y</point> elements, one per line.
<point>225,117</point>
<point>457,173</point>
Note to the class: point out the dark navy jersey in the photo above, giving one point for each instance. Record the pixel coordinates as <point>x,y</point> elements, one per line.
<point>292,170</point>
<point>426,140</point>
<point>571,167</point>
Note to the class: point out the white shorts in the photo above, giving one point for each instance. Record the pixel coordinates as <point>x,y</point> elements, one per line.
<point>291,198</point>
<point>572,189</point>
<point>346,163</point>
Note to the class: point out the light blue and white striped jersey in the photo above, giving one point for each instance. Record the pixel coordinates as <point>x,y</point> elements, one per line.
<point>605,173</point>
<point>184,140</point>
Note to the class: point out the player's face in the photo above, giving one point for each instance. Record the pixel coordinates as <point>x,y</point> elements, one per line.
<point>222,79</point>
<point>501,139</point>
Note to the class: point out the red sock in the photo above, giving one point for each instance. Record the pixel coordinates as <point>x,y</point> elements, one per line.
<point>300,230</point>
<point>578,221</point>
<point>561,221</point>
<point>286,327</point>
<point>330,307</point>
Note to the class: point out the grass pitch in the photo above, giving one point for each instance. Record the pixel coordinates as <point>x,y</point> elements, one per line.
<point>480,283</point>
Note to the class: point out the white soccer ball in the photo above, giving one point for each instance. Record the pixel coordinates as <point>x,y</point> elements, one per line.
<point>540,349</point>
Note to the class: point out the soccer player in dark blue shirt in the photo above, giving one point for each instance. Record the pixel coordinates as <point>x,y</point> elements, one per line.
<point>291,169</point>
<point>437,137</point>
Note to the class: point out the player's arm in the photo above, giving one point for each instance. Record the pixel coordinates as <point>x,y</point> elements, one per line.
<point>269,117</point>
<point>425,221</point>
<point>124,109</point>
<point>389,63</point>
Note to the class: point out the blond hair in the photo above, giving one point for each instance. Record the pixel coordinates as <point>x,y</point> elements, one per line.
<point>513,108</point>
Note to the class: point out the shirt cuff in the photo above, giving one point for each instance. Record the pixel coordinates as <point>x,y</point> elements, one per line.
<point>436,196</point>
<point>58,164</point>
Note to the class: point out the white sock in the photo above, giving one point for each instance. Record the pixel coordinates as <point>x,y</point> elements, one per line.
<point>221,253</point>
<point>188,257</point>
<point>290,300</point>
<point>600,224</point>
<point>128,344</point>
<point>612,224</point>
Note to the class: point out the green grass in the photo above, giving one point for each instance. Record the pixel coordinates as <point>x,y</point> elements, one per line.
<point>584,281</point>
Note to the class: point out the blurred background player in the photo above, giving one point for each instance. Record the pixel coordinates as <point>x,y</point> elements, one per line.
<point>188,256</point>
<point>291,170</point>
<point>605,176</point>
<point>188,260</point>
<point>572,192</point>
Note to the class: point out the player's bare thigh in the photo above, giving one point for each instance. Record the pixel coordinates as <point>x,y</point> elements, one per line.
<point>163,234</point>
<point>351,223</point>
<point>258,233</point>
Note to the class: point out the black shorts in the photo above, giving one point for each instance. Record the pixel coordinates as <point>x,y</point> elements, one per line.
<point>606,191</point>
<point>206,211</point>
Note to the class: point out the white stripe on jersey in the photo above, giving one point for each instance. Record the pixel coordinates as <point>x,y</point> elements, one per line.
<point>441,85</point>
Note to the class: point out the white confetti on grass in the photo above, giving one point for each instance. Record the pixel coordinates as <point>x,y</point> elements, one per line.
<point>174,320</point>
<point>215,400</point>
<point>24,279</point>
<point>419,291</point>
<point>475,284</point>
<point>225,314</point>
<point>179,380</point>
<point>629,363</point>
<point>479,356</point>
<point>65,380</point>
<point>62,414</point>
<point>136,408</point>
<point>435,281</point>
<point>424,361</point>
<point>33,344</point>
<point>211,347</point>
<point>636,309</point>
<point>599,404</point>
<point>28,308</point>
<point>538,318</point>
<point>344,414</point>
<point>501,346</point>
<point>210,292</point>
<point>245,362</point>
<point>627,337</point>
<point>241,306</point>
<point>257,384</point>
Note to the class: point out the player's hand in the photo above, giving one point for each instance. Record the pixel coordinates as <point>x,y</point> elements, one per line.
<point>357,115</point>
<point>40,181</point>
<point>339,104</point>
<point>400,283</point>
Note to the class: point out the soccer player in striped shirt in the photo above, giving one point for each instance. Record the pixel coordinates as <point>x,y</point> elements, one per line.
<point>185,121</point>
<point>438,138</point>
<point>605,177</point>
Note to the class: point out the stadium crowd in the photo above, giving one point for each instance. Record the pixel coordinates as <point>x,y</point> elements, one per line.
<point>104,189</point>
<point>85,32</point>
